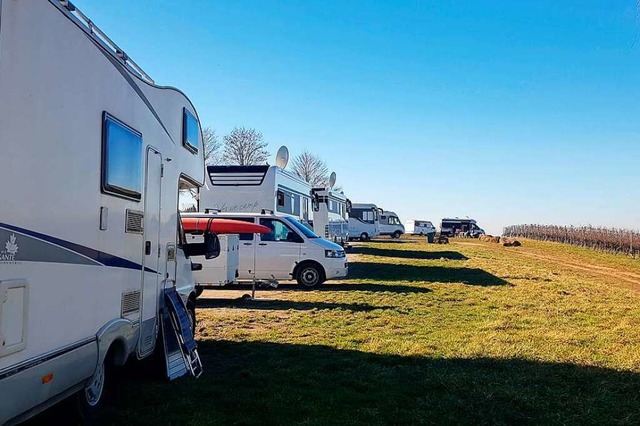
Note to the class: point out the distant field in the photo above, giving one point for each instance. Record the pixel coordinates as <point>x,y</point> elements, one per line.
<point>468,332</point>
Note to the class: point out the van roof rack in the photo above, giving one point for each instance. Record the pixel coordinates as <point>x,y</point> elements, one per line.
<point>98,35</point>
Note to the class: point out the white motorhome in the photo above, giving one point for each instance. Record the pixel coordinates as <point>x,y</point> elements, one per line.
<point>364,221</point>
<point>390,224</point>
<point>331,215</point>
<point>290,251</point>
<point>93,264</point>
<point>252,189</point>
<point>419,227</point>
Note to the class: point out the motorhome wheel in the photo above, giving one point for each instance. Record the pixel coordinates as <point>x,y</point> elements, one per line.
<point>310,276</point>
<point>364,236</point>
<point>191,310</point>
<point>199,290</point>
<point>397,234</point>
<point>92,399</point>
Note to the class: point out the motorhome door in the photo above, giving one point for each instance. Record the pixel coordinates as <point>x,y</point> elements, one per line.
<point>151,258</point>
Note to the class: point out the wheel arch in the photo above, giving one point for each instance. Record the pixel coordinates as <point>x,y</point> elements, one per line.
<point>117,339</point>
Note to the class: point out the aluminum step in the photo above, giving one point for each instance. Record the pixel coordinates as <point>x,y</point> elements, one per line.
<point>181,353</point>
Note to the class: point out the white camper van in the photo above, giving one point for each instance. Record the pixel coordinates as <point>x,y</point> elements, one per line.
<point>93,264</point>
<point>364,221</point>
<point>390,224</point>
<point>330,215</point>
<point>453,227</point>
<point>419,227</point>
<point>256,188</point>
<point>290,251</point>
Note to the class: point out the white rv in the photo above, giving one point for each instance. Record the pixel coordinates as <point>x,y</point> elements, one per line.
<point>419,227</point>
<point>93,264</point>
<point>364,221</point>
<point>390,224</point>
<point>331,215</point>
<point>251,189</point>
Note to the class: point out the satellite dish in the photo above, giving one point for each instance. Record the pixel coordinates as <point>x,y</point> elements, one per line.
<point>332,179</point>
<point>282,157</point>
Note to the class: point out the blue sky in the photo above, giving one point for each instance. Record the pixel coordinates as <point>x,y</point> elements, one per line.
<point>507,112</point>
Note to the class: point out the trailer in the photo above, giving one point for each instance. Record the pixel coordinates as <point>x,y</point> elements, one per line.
<point>331,215</point>
<point>94,266</point>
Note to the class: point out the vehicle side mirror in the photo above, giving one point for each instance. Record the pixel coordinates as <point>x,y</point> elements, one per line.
<point>212,246</point>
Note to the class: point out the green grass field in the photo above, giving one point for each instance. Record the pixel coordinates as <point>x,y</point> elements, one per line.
<point>465,333</point>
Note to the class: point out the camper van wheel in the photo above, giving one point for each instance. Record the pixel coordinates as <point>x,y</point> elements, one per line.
<point>364,236</point>
<point>310,276</point>
<point>397,234</point>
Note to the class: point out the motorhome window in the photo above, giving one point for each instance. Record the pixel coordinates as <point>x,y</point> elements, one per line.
<point>190,132</point>
<point>280,232</point>
<point>305,211</point>
<point>280,197</point>
<point>121,159</point>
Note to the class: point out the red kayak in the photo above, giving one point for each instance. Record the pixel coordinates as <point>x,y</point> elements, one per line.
<point>222,226</point>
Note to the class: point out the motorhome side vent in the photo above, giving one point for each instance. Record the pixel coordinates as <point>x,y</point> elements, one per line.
<point>130,302</point>
<point>237,175</point>
<point>134,222</point>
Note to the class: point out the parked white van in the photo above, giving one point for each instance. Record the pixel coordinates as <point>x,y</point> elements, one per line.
<point>290,251</point>
<point>419,227</point>
<point>363,221</point>
<point>390,224</point>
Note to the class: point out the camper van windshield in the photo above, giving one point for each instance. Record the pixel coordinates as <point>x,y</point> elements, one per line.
<point>301,227</point>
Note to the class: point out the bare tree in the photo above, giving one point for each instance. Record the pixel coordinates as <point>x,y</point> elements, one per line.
<point>311,169</point>
<point>244,147</point>
<point>212,145</point>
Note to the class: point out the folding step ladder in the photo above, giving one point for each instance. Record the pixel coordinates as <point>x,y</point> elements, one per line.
<point>180,348</point>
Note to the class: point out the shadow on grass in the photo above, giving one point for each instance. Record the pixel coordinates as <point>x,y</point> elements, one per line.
<point>333,286</point>
<point>284,305</point>
<point>402,272</point>
<point>266,383</point>
<point>409,254</point>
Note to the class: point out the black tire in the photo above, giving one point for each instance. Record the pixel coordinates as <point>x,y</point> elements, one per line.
<point>191,310</point>
<point>199,290</point>
<point>93,401</point>
<point>310,276</point>
<point>364,236</point>
<point>397,234</point>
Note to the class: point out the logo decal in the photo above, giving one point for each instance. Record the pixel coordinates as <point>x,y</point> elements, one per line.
<point>10,249</point>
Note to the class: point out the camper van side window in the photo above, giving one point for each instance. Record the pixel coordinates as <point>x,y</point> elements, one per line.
<point>190,132</point>
<point>280,196</point>
<point>121,159</point>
